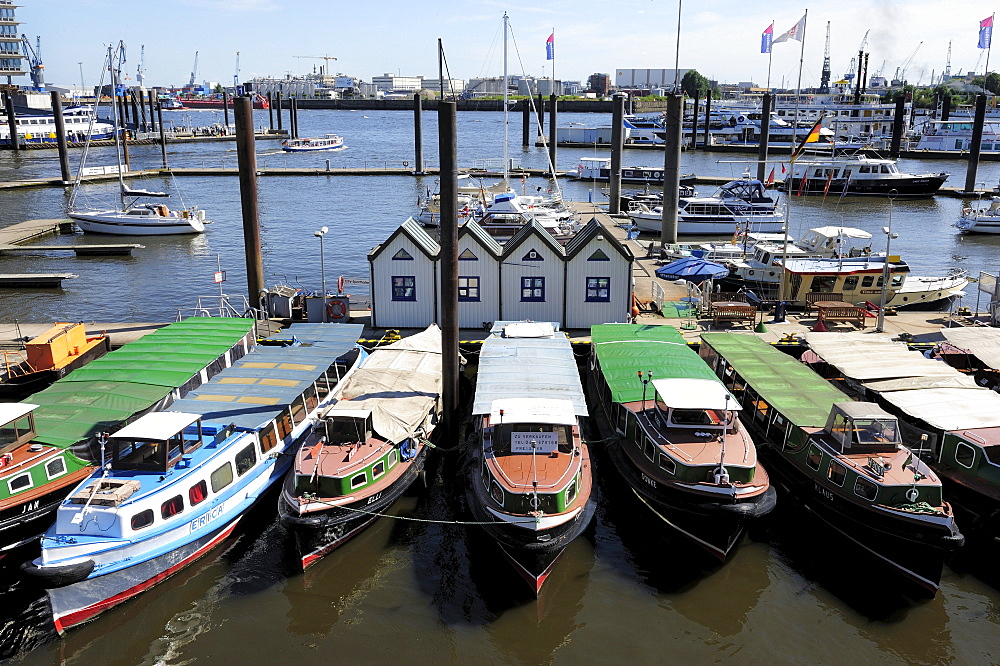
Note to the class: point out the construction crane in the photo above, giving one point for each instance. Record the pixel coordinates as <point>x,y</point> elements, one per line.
<point>326,58</point>
<point>34,56</point>
<point>236,76</point>
<point>194,71</point>
<point>856,62</point>
<point>947,66</point>
<point>901,70</point>
<point>824,81</point>
<point>140,73</point>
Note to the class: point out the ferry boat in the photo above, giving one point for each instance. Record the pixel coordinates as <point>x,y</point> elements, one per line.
<point>599,168</point>
<point>375,428</point>
<point>844,462</point>
<point>680,446</point>
<point>327,142</point>
<point>858,174</point>
<point>80,123</point>
<point>529,479</point>
<point>65,419</point>
<point>742,204</point>
<point>956,136</point>
<point>955,420</point>
<point>47,357</point>
<point>174,484</point>
<point>189,102</point>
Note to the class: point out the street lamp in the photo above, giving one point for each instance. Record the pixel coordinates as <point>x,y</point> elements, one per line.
<point>322,268</point>
<point>885,267</point>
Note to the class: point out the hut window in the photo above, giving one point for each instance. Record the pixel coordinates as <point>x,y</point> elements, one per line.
<point>467,255</point>
<point>468,288</point>
<point>965,455</point>
<point>402,255</point>
<point>404,288</point>
<point>532,256</point>
<point>533,289</point>
<point>598,256</point>
<point>598,289</point>
<point>142,519</point>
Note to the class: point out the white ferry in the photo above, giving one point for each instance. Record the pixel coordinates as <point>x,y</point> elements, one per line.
<point>41,127</point>
<point>328,142</point>
<point>956,135</point>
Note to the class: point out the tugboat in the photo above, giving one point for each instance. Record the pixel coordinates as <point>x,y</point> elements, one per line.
<point>842,461</point>
<point>680,446</point>
<point>529,480</point>
<point>372,446</point>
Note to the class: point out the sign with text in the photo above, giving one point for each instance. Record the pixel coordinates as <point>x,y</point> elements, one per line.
<point>545,442</point>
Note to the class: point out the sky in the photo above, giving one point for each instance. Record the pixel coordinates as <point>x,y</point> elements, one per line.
<point>719,39</point>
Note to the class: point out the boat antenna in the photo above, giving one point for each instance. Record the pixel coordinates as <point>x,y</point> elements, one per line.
<point>722,476</point>
<point>646,380</point>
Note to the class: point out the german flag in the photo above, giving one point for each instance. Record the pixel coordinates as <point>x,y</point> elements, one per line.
<point>812,137</point>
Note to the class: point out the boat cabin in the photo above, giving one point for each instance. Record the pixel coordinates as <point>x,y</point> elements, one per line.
<point>347,426</point>
<point>701,404</point>
<point>158,441</point>
<point>863,427</point>
<point>18,427</point>
<point>856,280</point>
<point>541,427</point>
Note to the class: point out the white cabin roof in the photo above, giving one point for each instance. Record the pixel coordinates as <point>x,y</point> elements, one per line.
<point>533,410</point>
<point>14,410</point>
<point>688,393</point>
<point>157,425</point>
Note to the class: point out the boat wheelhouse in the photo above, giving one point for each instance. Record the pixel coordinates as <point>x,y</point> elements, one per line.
<point>680,445</point>
<point>174,484</point>
<point>375,432</point>
<point>947,415</point>
<point>327,142</point>
<point>842,461</point>
<point>144,375</point>
<point>529,477</point>
<point>859,174</point>
<point>738,206</point>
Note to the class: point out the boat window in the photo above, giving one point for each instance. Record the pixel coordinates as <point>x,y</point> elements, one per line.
<point>221,477</point>
<point>850,283</point>
<point>19,482</point>
<point>392,458</point>
<point>667,463</point>
<point>172,507</point>
<point>496,492</point>
<point>198,493</point>
<point>142,519</point>
<point>691,417</point>
<point>865,488</point>
<point>378,469</point>
<point>311,399</point>
<point>837,473</point>
<point>11,433</point>
<point>245,460</point>
<point>761,409</point>
<point>875,431</point>
<point>865,169</point>
<point>823,283</point>
<point>885,168</point>
<point>896,281</point>
<point>268,438</point>
<point>965,455</point>
<point>648,448</point>
<point>298,409</point>
<point>284,424</point>
<point>878,282</point>
<point>867,281</point>
<point>55,467</point>
<point>358,480</point>
<point>814,457</point>
<point>571,493</point>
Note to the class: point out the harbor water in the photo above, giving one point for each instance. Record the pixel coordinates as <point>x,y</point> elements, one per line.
<point>425,588</point>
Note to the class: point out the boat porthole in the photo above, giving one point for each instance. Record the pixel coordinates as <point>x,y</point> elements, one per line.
<point>906,298</point>
<point>656,174</point>
<point>749,272</point>
<point>770,273</point>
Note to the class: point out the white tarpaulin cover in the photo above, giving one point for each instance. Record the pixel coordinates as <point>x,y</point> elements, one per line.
<point>950,409</point>
<point>984,343</point>
<point>399,383</point>
<point>865,357</point>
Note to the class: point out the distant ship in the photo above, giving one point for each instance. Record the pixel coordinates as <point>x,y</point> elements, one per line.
<point>259,102</point>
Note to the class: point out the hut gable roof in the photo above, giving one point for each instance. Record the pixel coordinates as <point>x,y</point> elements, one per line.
<point>589,231</point>
<point>472,228</point>
<point>412,229</point>
<point>532,229</point>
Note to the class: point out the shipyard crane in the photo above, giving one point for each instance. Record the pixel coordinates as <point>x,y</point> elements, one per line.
<point>856,62</point>
<point>901,70</point>
<point>194,71</point>
<point>140,72</point>
<point>236,76</point>
<point>824,81</point>
<point>34,56</point>
<point>947,65</point>
<point>326,58</point>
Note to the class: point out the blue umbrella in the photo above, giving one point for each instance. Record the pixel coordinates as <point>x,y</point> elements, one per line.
<point>692,269</point>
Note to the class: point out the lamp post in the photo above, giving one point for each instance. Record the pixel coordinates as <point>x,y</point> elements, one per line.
<point>879,327</point>
<point>322,268</point>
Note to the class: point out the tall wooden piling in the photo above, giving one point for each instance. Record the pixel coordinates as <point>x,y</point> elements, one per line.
<point>553,102</point>
<point>8,104</point>
<point>694,121</point>
<point>765,135</point>
<point>247,160</point>
<point>541,115</point>
<point>225,110</point>
<point>617,145</point>
<point>708,121</point>
<point>57,114</point>
<point>270,111</point>
<point>671,169</point>
<point>152,114</point>
<point>897,128</point>
<point>135,108</point>
<point>448,151</point>
<point>946,107</point>
<point>163,133</point>
<point>277,108</point>
<point>977,143</point>
<point>141,101</point>
<point>418,134</point>
<point>293,117</point>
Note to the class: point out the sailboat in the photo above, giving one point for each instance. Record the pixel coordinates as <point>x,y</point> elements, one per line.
<point>133,216</point>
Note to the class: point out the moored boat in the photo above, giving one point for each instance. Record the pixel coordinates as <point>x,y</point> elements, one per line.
<point>326,142</point>
<point>529,476</point>
<point>842,461</point>
<point>680,445</point>
<point>174,484</point>
<point>47,357</point>
<point>980,219</point>
<point>859,174</point>
<point>374,432</point>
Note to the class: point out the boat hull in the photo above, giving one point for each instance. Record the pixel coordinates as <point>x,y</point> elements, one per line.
<point>114,225</point>
<point>910,187</point>
<point>320,533</point>
<point>718,225</point>
<point>22,524</point>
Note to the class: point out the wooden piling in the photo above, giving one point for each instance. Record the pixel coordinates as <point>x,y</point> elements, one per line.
<point>694,122</point>
<point>225,109</point>
<point>897,127</point>
<point>163,133</point>
<point>525,122</point>
<point>617,145</point>
<point>553,103</point>
<point>448,151</point>
<point>8,104</point>
<point>765,134</point>
<point>277,99</point>
<point>418,137</point>
<point>57,113</point>
<point>976,145</point>
<point>671,169</point>
<point>247,159</point>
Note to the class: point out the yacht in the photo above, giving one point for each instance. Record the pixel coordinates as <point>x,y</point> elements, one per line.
<point>739,206</point>
<point>858,174</point>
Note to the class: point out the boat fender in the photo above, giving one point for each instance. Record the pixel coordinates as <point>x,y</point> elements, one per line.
<point>6,459</point>
<point>336,309</point>
<point>912,494</point>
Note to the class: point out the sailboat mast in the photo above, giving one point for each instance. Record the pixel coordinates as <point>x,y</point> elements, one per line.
<point>506,91</point>
<point>115,82</point>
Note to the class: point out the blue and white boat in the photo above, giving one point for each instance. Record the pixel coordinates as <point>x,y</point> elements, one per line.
<point>175,484</point>
<point>33,126</point>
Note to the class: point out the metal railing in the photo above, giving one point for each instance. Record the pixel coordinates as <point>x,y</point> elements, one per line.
<point>221,305</point>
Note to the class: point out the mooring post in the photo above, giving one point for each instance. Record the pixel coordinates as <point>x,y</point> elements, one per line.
<point>525,122</point>
<point>617,145</point>
<point>765,135</point>
<point>270,111</point>
<point>8,104</point>
<point>671,169</point>
<point>694,121</point>
<point>541,115</point>
<point>708,122</point>
<point>163,133</point>
<point>294,122</point>
<point>142,110</point>
<point>225,110</point>
<point>57,113</point>
<point>135,108</point>
<point>448,151</point>
<point>897,127</point>
<point>976,145</point>
<point>247,159</point>
<point>553,102</point>
<point>277,108</point>
<point>152,109</point>
<point>418,134</point>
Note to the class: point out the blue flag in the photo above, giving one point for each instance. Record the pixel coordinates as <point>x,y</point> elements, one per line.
<point>985,32</point>
<point>765,39</point>
<point>550,47</point>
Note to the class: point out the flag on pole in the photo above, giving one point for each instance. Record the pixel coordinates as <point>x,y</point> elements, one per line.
<point>796,32</point>
<point>783,169</point>
<point>765,39</point>
<point>770,178</point>
<point>829,179</point>
<point>812,137</point>
<point>985,32</point>
<point>550,47</point>
<point>802,183</point>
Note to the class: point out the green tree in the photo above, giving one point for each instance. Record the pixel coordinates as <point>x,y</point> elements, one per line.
<point>993,82</point>
<point>694,83</point>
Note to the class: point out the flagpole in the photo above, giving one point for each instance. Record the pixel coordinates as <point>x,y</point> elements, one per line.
<point>770,56</point>
<point>986,73</point>
<point>553,61</point>
<point>791,172</point>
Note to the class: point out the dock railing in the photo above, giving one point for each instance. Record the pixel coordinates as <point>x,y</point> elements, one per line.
<point>222,305</point>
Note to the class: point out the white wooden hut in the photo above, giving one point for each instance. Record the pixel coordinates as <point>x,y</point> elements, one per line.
<point>478,276</point>
<point>404,278</point>
<point>532,276</point>
<point>598,279</point>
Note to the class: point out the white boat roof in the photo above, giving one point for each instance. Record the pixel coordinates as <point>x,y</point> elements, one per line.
<point>157,425</point>
<point>529,329</point>
<point>533,410</point>
<point>846,232</point>
<point>690,393</point>
<point>12,411</point>
<point>846,265</point>
<point>984,343</point>
<point>603,160</point>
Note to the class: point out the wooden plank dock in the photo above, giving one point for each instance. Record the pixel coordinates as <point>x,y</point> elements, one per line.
<point>39,280</point>
<point>85,250</point>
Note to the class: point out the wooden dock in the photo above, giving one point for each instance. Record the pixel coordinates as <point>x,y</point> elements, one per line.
<point>36,280</point>
<point>94,250</point>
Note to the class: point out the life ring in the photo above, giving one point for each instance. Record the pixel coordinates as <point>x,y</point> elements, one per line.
<point>406,164</point>
<point>749,272</point>
<point>912,494</point>
<point>966,211</point>
<point>336,309</point>
<point>656,174</point>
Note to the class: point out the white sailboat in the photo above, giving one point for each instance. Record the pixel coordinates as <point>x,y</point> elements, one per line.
<point>131,216</point>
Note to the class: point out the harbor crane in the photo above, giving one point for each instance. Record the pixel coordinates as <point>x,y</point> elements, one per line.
<point>194,71</point>
<point>326,58</point>
<point>140,73</point>
<point>824,81</point>
<point>236,76</point>
<point>34,56</point>
<point>901,70</point>
<point>856,62</point>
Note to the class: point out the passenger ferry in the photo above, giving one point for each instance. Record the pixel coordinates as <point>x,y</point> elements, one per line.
<point>956,136</point>
<point>328,142</point>
<point>858,174</point>
<point>34,127</point>
<point>844,462</point>
<point>174,484</point>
